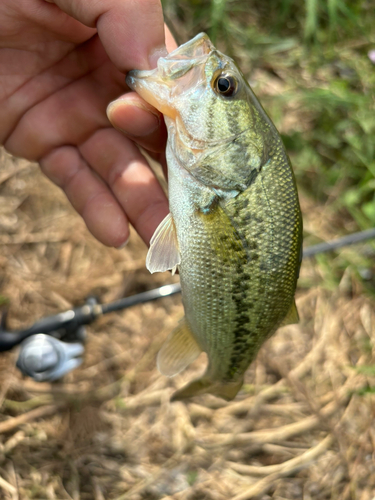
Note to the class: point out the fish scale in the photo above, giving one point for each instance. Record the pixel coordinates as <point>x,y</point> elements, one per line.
<point>234,229</point>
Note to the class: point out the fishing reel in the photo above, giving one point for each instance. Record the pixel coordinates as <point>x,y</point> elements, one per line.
<point>46,358</point>
<point>54,345</point>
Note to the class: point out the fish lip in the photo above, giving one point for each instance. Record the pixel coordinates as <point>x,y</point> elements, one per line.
<point>150,86</point>
<point>136,74</point>
<point>200,47</point>
<point>156,85</point>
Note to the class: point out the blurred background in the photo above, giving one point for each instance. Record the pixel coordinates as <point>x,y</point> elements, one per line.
<point>303,425</point>
<point>312,65</point>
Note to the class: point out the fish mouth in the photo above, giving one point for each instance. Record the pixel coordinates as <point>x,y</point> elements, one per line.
<point>147,84</point>
<point>158,86</point>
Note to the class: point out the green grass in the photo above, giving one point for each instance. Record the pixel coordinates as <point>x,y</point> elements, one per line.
<point>317,51</point>
<point>4,300</point>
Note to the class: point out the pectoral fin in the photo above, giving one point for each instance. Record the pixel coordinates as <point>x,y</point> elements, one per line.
<point>163,253</point>
<point>178,351</point>
<point>292,317</point>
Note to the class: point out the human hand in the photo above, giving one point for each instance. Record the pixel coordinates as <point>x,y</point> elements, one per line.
<point>61,64</point>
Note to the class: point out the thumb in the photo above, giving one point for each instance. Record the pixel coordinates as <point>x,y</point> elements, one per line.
<point>131,31</point>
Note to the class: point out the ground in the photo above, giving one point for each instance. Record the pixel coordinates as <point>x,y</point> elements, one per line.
<point>301,428</point>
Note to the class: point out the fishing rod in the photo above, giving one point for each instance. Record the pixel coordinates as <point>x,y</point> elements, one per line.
<point>66,324</point>
<point>51,347</point>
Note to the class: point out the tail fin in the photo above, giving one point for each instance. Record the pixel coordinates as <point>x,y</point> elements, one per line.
<point>225,390</point>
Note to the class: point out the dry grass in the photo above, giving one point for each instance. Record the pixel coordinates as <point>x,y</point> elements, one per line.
<point>302,427</point>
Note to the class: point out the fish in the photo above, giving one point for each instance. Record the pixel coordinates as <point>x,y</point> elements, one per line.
<point>234,231</point>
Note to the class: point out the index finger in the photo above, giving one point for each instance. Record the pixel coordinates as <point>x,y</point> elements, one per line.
<point>131,31</point>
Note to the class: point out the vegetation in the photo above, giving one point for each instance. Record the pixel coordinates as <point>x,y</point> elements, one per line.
<point>310,64</point>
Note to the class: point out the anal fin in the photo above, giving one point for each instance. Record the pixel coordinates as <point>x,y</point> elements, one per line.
<point>178,351</point>
<point>222,389</point>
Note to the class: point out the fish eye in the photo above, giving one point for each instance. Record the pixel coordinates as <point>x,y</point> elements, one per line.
<point>226,85</point>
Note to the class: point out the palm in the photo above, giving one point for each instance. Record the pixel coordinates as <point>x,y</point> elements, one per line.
<point>55,85</point>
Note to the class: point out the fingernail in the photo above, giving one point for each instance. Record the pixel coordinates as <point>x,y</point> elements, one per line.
<point>132,117</point>
<point>155,54</point>
<point>123,245</point>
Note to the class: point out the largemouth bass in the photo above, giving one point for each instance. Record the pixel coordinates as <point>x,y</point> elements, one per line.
<point>234,230</point>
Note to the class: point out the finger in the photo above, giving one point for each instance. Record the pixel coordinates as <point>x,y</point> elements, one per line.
<point>170,42</point>
<point>69,116</point>
<point>77,64</point>
<point>125,170</point>
<point>132,32</point>
<point>138,120</point>
<point>88,194</point>
<point>50,18</point>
